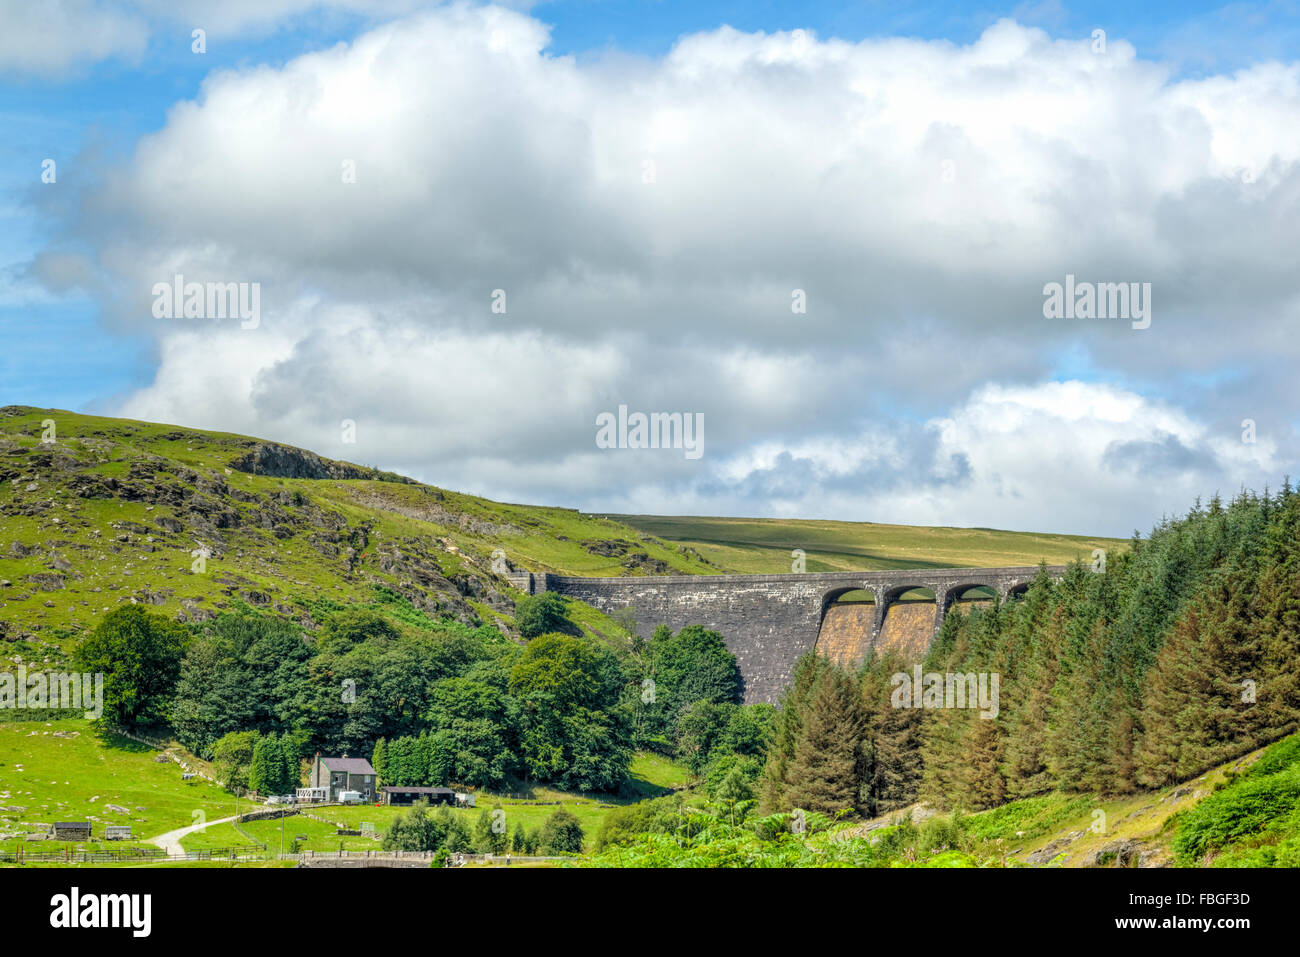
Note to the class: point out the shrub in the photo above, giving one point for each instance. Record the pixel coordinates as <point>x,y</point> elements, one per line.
<point>624,825</point>
<point>561,834</point>
<point>538,614</point>
<point>1244,809</point>
<point>939,834</point>
<point>1279,756</point>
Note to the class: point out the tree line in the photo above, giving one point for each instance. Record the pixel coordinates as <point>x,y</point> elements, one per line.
<point>1168,659</point>
<point>436,702</point>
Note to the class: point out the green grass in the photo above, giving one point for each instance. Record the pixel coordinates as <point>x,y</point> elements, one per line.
<point>652,774</point>
<point>658,772</point>
<point>1030,818</point>
<point>319,836</point>
<point>116,548</point>
<point>1252,819</point>
<point>55,778</point>
<point>73,779</point>
<point>316,835</point>
<point>764,545</point>
<point>287,541</point>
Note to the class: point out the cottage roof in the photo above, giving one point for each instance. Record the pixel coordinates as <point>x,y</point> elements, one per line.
<point>348,765</point>
<point>397,790</point>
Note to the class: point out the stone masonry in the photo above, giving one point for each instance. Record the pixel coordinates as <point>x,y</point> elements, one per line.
<point>768,621</point>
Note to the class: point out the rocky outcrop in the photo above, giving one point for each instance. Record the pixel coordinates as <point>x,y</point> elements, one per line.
<point>1118,853</point>
<point>285,461</point>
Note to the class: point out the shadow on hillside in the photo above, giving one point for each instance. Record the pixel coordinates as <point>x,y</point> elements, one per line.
<point>121,740</point>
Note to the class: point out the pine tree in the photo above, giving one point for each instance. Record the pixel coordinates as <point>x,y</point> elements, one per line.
<point>1079,729</point>
<point>943,783</point>
<point>1121,705</point>
<point>427,761</point>
<point>1277,690</point>
<point>484,839</point>
<point>823,773</point>
<point>891,750</point>
<point>786,727</point>
<point>984,731</point>
<point>1193,714</point>
<point>1026,764</point>
<point>984,785</point>
<point>379,760</point>
<point>267,769</point>
<point>292,764</point>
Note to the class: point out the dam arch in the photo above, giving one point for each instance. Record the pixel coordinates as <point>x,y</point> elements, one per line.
<point>1018,590</point>
<point>768,621</point>
<point>849,622</point>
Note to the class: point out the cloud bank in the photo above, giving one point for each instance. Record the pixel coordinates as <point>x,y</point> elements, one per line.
<point>472,248</point>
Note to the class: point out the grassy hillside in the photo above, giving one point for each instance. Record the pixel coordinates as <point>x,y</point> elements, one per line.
<point>1244,813</point>
<point>763,545</point>
<point>63,770</point>
<point>98,512</point>
<point>113,511</point>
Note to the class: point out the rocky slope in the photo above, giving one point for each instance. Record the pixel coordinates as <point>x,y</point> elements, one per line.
<point>95,512</point>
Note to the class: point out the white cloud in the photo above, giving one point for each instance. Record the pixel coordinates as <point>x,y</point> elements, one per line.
<point>921,194</point>
<point>1072,457</point>
<point>54,36</point>
<point>233,16</point>
<point>1057,456</point>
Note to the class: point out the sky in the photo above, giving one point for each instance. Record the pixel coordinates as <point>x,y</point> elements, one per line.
<point>827,232</point>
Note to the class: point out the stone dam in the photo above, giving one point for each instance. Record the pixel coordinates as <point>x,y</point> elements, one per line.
<point>768,621</point>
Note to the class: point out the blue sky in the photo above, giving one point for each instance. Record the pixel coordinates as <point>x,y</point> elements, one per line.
<point>108,105</point>
<point>113,93</point>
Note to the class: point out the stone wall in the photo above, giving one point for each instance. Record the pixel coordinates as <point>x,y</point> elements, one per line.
<point>766,624</point>
<point>768,621</point>
<point>908,628</point>
<point>847,632</point>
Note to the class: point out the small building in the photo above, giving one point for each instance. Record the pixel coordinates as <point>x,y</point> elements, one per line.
<point>118,832</point>
<point>70,831</point>
<point>311,795</point>
<point>344,774</point>
<point>403,796</point>
<point>464,799</point>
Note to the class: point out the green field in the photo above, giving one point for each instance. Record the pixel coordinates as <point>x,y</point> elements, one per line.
<point>62,771</point>
<point>764,545</point>
<point>652,775</point>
